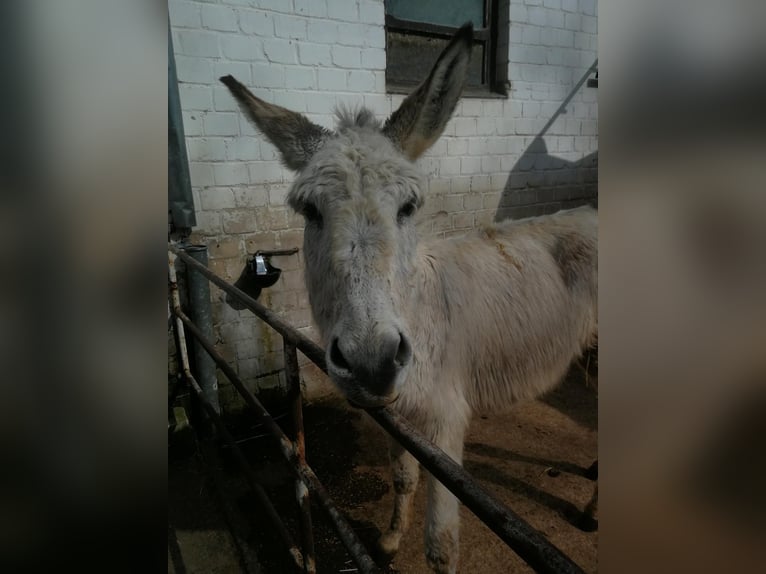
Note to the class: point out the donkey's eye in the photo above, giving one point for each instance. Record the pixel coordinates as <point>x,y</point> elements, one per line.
<point>311,213</point>
<point>406,211</point>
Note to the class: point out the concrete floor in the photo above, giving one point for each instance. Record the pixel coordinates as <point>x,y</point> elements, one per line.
<point>510,455</point>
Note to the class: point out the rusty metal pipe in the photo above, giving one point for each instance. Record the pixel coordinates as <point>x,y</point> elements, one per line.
<point>292,374</point>
<point>277,252</point>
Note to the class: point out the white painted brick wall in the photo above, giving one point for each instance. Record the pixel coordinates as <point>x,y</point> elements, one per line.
<point>311,56</point>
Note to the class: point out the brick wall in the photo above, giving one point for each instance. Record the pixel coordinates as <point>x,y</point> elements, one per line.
<point>531,153</point>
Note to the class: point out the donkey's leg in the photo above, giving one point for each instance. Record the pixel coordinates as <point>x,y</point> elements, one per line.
<point>443,519</point>
<point>405,470</point>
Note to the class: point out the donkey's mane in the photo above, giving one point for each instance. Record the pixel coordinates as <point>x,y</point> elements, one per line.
<point>356,117</point>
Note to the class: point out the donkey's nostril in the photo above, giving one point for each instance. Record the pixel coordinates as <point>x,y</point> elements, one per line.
<point>404,352</point>
<point>337,357</point>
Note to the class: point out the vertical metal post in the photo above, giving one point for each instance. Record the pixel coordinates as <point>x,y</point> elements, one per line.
<point>292,374</point>
<point>202,315</point>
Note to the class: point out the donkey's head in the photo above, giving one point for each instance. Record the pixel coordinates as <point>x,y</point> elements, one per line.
<point>358,189</point>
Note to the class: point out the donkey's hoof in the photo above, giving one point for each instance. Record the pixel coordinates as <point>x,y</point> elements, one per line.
<point>587,523</point>
<point>388,544</point>
<point>442,551</point>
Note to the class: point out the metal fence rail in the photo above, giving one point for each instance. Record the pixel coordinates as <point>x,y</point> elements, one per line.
<point>223,432</point>
<point>528,543</point>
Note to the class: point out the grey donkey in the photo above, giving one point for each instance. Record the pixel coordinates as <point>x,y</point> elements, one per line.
<point>435,329</point>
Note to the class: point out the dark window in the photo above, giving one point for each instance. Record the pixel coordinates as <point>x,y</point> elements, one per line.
<point>417,32</point>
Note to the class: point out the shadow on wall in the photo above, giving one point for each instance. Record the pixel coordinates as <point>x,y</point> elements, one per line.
<point>541,183</point>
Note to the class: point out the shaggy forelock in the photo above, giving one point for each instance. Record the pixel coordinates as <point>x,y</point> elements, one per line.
<point>357,159</point>
<point>358,117</point>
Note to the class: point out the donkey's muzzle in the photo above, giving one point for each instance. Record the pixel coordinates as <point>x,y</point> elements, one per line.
<point>374,370</point>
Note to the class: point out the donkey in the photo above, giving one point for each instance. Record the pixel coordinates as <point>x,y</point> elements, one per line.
<point>434,329</point>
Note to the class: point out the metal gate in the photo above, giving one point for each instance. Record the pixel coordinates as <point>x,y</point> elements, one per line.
<point>528,543</point>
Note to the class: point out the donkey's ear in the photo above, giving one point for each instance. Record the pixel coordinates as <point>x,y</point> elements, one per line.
<point>292,133</point>
<point>421,118</point>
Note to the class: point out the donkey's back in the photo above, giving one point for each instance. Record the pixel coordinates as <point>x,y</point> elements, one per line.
<point>521,300</point>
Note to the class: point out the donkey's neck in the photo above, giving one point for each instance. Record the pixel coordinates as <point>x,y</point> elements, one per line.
<point>428,297</point>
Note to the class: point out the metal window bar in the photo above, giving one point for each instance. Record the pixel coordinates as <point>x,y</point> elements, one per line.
<point>530,545</point>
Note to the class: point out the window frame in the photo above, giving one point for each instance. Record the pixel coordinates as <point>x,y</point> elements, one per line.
<point>488,35</point>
